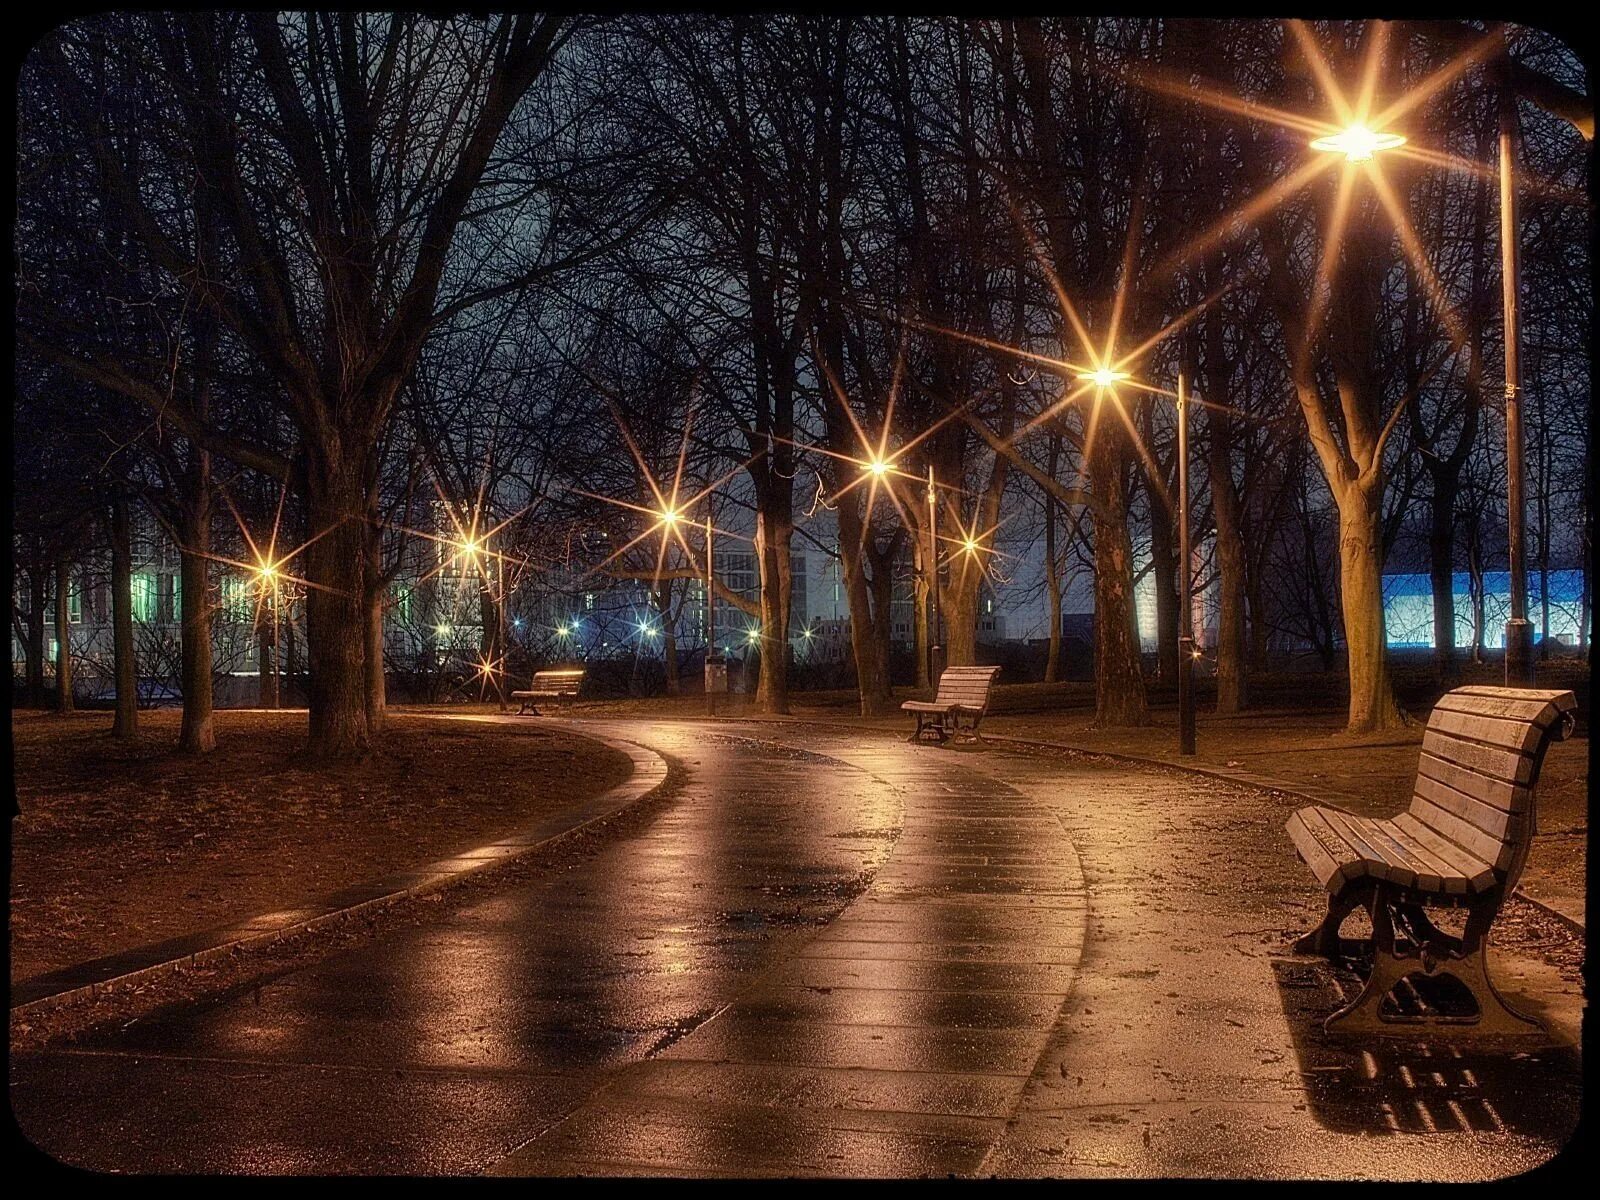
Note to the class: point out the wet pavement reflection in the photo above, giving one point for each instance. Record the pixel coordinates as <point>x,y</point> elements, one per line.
<point>442,1046</point>
<point>830,955</point>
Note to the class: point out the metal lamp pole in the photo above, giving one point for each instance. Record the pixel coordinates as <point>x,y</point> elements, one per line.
<point>1185,602</point>
<point>933,581</point>
<point>711,624</point>
<point>1519,630</point>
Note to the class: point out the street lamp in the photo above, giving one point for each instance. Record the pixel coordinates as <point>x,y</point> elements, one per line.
<point>934,649</point>
<point>1186,650</point>
<point>1360,144</point>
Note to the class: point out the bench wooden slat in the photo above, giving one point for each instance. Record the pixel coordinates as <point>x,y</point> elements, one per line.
<point>1462,832</point>
<point>1486,789</point>
<point>1374,858</point>
<point>1433,872</point>
<point>1495,822</point>
<point>1480,875</point>
<point>1540,712</point>
<point>1323,850</point>
<point>1509,765</point>
<point>1511,735</point>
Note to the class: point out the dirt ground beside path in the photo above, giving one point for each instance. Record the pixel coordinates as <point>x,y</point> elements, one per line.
<point>119,846</point>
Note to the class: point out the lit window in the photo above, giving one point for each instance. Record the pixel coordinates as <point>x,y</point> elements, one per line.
<point>142,591</point>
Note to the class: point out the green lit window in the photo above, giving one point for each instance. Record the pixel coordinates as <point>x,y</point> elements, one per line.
<point>402,603</point>
<point>75,605</point>
<point>143,593</point>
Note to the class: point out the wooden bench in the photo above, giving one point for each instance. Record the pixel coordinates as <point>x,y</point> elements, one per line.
<point>560,684</point>
<point>963,692</point>
<point>1462,843</point>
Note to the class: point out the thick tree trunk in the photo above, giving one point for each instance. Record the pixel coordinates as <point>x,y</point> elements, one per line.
<point>773,535</point>
<point>1372,703</point>
<point>872,668</point>
<point>336,605</point>
<point>1119,684</point>
<point>1441,577</point>
<point>197,734</point>
<point>125,668</point>
<point>63,636</point>
<point>960,597</point>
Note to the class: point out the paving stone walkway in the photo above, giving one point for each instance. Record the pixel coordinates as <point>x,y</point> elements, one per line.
<point>831,954</point>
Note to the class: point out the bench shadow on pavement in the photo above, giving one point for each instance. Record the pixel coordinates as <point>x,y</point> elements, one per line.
<point>1396,1084</point>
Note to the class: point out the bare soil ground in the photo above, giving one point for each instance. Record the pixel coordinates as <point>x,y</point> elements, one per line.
<point>118,846</point>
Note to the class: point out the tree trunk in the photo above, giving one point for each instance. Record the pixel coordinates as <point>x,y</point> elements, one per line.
<point>1052,577</point>
<point>872,669</point>
<point>1119,684</point>
<point>669,638</point>
<point>773,535</point>
<point>34,650</point>
<point>267,655</point>
<point>1232,566</point>
<point>1372,703</point>
<point>285,692</point>
<point>1164,579</point>
<point>125,668</point>
<point>336,603</point>
<point>375,691</point>
<point>197,734</point>
<point>960,598</point>
<point>1441,578</point>
<point>63,636</point>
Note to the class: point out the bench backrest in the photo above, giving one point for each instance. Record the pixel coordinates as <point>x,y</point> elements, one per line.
<point>966,686</point>
<point>1480,762</point>
<point>559,679</point>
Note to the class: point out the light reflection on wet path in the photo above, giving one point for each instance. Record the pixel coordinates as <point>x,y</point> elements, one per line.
<point>442,1046</point>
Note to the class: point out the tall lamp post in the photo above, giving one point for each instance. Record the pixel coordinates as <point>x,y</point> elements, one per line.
<point>1186,650</point>
<point>1519,630</point>
<point>934,648</point>
<point>1359,144</point>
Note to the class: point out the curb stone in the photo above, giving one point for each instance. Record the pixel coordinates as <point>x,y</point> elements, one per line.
<point>133,969</point>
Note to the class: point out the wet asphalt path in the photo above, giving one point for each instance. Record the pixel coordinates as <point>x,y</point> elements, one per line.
<point>443,1047</point>
<point>831,954</point>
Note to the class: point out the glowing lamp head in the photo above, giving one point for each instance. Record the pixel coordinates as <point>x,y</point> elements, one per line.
<point>670,516</point>
<point>1102,377</point>
<point>970,545</point>
<point>753,635</point>
<point>1357,143</point>
<point>442,630</point>
<point>267,574</point>
<point>878,467</point>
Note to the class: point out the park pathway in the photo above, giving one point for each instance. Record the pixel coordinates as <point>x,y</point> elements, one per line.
<point>443,1046</point>
<point>828,953</point>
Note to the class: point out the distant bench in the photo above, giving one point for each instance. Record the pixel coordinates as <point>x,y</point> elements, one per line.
<point>963,692</point>
<point>560,684</point>
<point>1461,844</point>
